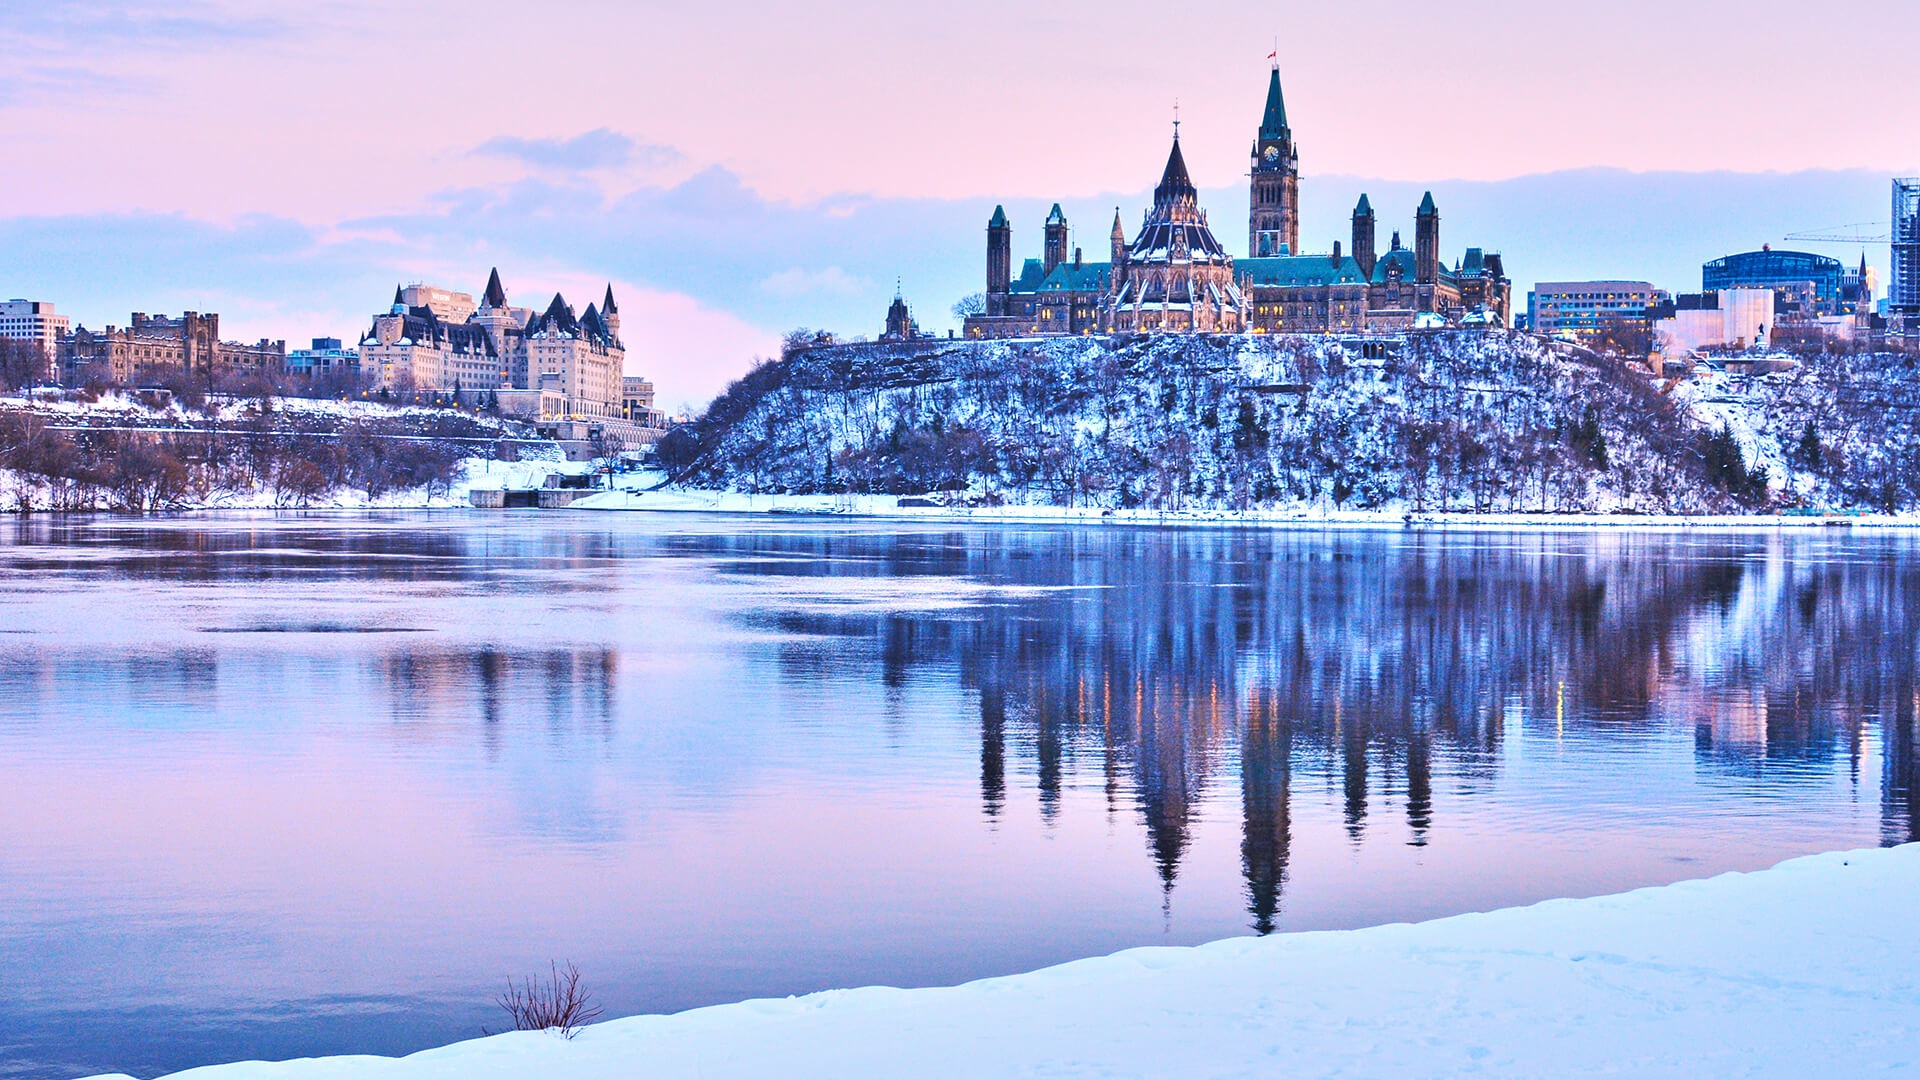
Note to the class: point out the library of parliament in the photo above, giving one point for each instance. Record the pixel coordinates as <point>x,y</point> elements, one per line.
<point>1176,276</point>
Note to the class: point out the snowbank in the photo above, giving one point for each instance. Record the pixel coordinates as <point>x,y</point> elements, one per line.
<point>1802,970</point>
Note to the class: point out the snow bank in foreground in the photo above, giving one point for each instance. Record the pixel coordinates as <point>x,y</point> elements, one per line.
<point>1802,970</point>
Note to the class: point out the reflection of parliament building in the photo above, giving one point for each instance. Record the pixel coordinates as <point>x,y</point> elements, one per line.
<point>1175,276</point>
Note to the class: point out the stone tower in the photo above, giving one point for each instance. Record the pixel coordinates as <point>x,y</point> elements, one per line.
<point>1056,251</point>
<point>1426,242</point>
<point>1275,195</point>
<point>999,261</point>
<point>1365,236</point>
<point>1119,244</point>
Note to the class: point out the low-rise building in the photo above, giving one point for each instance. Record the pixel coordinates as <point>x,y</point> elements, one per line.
<point>154,347</point>
<point>326,357</point>
<point>35,321</point>
<point>1591,310</point>
<point>636,402</point>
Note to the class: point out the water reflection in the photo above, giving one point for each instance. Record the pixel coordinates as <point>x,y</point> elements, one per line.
<point>1168,658</point>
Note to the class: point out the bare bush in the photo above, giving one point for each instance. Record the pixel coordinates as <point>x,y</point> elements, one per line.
<point>557,1003</point>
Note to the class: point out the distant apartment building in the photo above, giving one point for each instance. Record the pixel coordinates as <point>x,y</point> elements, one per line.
<point>1590,310</point>
<point>547,365</point>
<point>35,321</point>
<point>326,357</point>
<point>155,346</point>
<point>1807,286</point>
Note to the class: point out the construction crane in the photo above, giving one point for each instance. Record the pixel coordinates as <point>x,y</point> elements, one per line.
<point>1846,234</point>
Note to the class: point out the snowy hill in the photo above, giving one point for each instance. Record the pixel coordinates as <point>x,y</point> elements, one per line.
<point>1474,421</point>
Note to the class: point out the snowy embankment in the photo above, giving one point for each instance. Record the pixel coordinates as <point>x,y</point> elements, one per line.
<point>689,500</point>
<point>1802,970</point>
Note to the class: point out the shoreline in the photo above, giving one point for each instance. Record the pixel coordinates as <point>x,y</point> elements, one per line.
<point>1791,971</point>
<point>885,507</point>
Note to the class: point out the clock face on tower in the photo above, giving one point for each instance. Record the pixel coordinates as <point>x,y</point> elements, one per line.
<point>1272,154</point>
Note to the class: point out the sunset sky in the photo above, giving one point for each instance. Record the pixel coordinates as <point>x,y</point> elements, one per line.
<point>739,169</point>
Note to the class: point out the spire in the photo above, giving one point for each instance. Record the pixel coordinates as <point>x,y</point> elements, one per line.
<point>1273,125</point>
<point>1175,183</point>
<point>1119,230</point>
<point>1426,205</point>
<point>398,300</point>
<point>1055,217</point>
<point>496,295</point>
<point>999,218</point>
<point>607,306</point>
<point>1364,208</point>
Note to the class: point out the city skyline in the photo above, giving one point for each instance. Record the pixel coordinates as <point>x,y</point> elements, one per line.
<point>788,173</point>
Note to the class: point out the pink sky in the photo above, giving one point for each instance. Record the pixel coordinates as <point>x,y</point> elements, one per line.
<point>347,108</point>
<point>322,114</point>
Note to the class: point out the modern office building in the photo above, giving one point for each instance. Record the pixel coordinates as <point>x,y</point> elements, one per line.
<point>1807,286</point>
<point>327,357</point>
<point>35,321</point>
<point>1589,310</point>
<point>1903,292</point>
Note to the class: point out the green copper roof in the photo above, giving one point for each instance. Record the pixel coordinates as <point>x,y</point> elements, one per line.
<point>999,218</point>
<point>1056,217</point>
<point>1274,124</point>
<point>1426,205</point>
<point>1364,208</point>
<point>1087,277</point>
<point>1301,270</point>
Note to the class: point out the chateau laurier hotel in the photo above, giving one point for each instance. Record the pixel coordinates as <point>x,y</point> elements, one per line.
<point>1175,276</point>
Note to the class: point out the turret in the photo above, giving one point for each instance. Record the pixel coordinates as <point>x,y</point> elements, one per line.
<point>1426,242</point>
<point>1365,233</point>
<point>1119,245</point>
<point>610,314</point>
<point>495,295</point>
<point>999,261</point>
<point>1056,249</point>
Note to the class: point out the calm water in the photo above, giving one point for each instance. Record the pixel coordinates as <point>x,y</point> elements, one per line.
<point>277,787</point>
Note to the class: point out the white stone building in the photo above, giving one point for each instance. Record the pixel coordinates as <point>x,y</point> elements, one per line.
<point>35,321</point>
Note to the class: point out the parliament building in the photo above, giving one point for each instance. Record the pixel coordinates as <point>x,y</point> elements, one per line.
<point>1176,276</point>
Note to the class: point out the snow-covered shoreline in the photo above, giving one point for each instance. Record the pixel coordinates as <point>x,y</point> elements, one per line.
<point>681,500</point>
<point>1800,970</point>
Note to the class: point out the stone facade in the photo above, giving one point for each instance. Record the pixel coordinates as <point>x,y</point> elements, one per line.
<point>1175,277</point>
<point>155,346</point>
<point>439,341</point>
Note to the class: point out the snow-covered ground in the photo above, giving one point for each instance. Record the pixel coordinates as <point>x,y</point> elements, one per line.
<point>1802,970</point>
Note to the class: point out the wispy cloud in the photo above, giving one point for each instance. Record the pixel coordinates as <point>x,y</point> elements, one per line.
<point>73,25</point>
<point>831,281</point>
<point>601,148</point>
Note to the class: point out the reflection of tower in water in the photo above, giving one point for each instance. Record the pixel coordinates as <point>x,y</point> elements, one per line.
<point>1266,753</point>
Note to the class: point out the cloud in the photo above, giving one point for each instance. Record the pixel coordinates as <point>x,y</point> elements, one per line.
<point>601,148</point>
<point>831,281</point>
<point>83,25</point>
